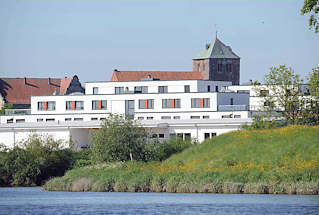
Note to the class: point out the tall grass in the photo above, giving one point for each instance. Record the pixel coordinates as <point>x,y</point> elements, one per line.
<point>282,160</point>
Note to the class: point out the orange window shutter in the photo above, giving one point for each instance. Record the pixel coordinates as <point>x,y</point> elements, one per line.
<point>73,105</point>
<point>45,105</point>
<point>173,103</point>
<point>201,103</point>
<point>100,104</point>
<point>146,103</point>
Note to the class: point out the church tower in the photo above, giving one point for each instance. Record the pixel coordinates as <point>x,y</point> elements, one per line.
<point>217,62</point>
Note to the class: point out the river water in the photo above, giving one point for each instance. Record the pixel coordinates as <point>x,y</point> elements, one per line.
<point>36,201</point>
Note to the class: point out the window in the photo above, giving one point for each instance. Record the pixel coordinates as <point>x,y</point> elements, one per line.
<point>171,103</point>
<point>208,88</point>
<point>78,119</point>
<point>67,119</point>
<point>161,135</point>
<point>195,117</point>
<point>140,118</point>
<point>209,135</point>
<point>69,105</point>
<point>228,68</point>
<point>231,101</point>
<point>94,119</point>
<point>154,136</point>
<point>237,116</point>
<point>146,104</point>
<point>205,117</point>
<point>43,106</point>
<point>79,105</point>
<point>50,120</point>
<point>187,136</point>
<point>95,90</point>
<point>186,88</point>
<point>129,109</point>
<point>150,118</point>
<point>74,105</point>
<point>9,120</point>
<point>216,88</point>
<point>119,90</point>
<point>39,120</point>
<point>200,102</point>
<point>40,105</point>
<point>20,120</point>
<point>165,117</point>
<point>226,116</point>
<point>102,118</point>
<point>51,106</point>
<point>141,89</point>
<point>177,117</point>
<point>99,105</point>
<point>219,67</point>
<point>162,89</point>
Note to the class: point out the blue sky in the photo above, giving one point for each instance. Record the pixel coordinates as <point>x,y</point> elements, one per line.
<point>90,38</point>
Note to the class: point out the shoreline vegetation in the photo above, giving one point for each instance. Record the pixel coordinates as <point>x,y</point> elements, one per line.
<point>264,161</point>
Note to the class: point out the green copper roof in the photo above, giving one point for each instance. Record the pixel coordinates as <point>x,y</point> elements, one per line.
<point>216,49</point>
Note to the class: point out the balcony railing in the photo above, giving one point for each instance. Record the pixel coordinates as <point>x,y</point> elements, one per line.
<point>233,108</point>
<point>17,112</point>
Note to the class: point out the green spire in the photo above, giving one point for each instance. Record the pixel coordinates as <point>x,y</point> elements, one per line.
<point>216,49</point>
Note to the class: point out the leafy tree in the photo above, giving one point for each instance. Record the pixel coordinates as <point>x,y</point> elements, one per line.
<point>119,139</point>
<point>311,112</point>
<point>311,6</point>
<point>284,97</point>
<point>33,161</point>
<point>313,82</point>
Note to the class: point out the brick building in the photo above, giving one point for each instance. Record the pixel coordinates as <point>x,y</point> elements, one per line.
<point>217,62</point>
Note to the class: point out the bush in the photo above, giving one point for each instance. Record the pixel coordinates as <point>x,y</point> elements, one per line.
<point>34,161</point>
<point>121,139</point>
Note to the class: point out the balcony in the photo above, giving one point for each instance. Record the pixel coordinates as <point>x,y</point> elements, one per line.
<point>233,108</point>
<point>10,112</point>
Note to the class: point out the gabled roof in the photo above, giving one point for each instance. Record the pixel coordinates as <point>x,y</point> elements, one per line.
<point>20,90</point>
<point>160,75</point>
<point>216,49</point>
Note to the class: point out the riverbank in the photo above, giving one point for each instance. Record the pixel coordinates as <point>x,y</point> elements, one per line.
<point>274,161</point>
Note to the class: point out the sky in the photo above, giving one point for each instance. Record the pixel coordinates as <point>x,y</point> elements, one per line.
<point>91,38</point>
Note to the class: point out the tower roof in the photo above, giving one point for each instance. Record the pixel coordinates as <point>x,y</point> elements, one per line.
<point>216,49</point>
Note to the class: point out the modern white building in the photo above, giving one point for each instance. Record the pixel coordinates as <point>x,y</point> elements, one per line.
<point>198,109</point>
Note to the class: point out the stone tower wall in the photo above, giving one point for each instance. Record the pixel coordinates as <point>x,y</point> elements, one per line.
<point>220,73</point>
<point>202,66</point>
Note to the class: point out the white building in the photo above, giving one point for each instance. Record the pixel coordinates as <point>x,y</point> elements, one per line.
<point>191,108</point>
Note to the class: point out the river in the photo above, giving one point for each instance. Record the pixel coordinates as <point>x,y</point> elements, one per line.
<point>36,201</point>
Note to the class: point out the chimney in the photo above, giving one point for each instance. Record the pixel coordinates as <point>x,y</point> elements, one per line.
<point>25,81</point>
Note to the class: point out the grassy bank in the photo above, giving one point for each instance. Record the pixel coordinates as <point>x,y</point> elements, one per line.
<point>282,160</point>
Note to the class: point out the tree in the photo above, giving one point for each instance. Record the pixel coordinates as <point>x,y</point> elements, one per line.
<point>311,6</point>
<point>313,83</point>
<point>285,93</point>
<point>119,139</point>
<point>311,112</point>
